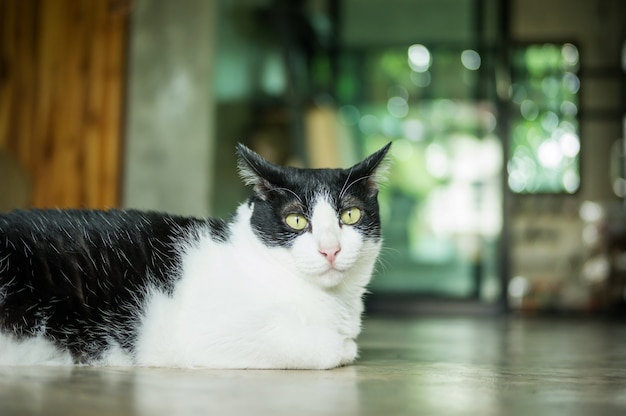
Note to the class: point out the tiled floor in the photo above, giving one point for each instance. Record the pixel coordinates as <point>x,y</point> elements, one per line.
<point>422,366</point>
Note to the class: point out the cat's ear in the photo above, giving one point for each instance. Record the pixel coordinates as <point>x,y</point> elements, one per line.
<point>256,171</point>
<point>373,169</point>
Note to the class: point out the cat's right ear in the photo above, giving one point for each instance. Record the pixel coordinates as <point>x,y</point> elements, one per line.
<point>373,169</point>
<point>256,171</point>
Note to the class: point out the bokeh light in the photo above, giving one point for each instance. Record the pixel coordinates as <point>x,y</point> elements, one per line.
<point>419,58</point>
<point>470,59</point>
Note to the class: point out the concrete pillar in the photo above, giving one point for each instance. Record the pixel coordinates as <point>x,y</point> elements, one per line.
<point>169,124</point>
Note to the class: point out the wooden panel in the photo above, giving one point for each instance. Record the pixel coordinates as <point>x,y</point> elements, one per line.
<point>61,83</point>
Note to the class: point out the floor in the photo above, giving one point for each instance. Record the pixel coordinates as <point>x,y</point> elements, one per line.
<point>426,366</point>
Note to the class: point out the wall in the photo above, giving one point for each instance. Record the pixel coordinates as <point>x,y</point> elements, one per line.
<point>169,132</point>
<point>61,82</point>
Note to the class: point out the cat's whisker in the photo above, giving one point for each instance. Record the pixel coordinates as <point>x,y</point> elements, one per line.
<point>383,263</point>
<point>354,182</point>
<point>343,188</point>
<point>384,260</point>
<point>289,191</point>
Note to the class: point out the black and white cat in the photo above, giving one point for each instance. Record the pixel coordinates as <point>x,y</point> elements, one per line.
<point>279,285</point>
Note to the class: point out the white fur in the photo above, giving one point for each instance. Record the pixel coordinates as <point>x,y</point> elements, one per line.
<point>242,305</point>
<point>31,351</point>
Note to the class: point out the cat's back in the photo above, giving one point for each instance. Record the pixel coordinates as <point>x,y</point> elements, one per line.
<point>68,223</point>
<point>74,271</point>
<point>75,246</point>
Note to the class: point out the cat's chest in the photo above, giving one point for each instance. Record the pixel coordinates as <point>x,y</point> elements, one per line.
<point>246,278</point>
<point>242,267</point>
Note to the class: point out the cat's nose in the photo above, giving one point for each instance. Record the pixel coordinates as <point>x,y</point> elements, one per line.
<point>330,253</point>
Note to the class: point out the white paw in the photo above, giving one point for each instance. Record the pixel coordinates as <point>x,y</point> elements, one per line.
<point>350,352</point>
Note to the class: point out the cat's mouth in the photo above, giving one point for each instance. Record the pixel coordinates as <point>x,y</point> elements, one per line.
<point>333,267</point>
<point>333,272</point>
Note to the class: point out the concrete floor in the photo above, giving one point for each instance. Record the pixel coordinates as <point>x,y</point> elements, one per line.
<point>425,366</point>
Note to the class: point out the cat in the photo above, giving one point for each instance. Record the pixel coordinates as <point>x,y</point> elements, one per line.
<point>277,286</point>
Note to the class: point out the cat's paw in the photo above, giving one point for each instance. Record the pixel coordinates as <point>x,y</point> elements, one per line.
<point>350,352</point>
<point>334,351</point>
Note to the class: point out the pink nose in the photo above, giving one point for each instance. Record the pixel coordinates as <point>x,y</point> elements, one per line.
<point>330,253</point>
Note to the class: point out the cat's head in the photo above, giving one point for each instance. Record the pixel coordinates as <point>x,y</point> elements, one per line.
<point>326,220</point>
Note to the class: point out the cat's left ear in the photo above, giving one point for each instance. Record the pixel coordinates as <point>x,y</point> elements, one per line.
<point>256,171</point>
<point>373,169</point>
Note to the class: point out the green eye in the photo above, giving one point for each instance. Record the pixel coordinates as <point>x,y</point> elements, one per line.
<point>351,216</point>
<point>296,221</point>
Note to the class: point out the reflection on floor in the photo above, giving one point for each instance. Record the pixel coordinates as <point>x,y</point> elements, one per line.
<point>465,366</point>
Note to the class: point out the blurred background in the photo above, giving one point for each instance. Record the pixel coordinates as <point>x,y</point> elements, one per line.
<point>506,189</point>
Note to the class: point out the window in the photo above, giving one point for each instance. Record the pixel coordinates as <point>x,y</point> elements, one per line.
<point>545,143</point>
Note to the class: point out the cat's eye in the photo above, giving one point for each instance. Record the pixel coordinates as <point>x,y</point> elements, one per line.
<point>351,216</point>
<point>296,221</point>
